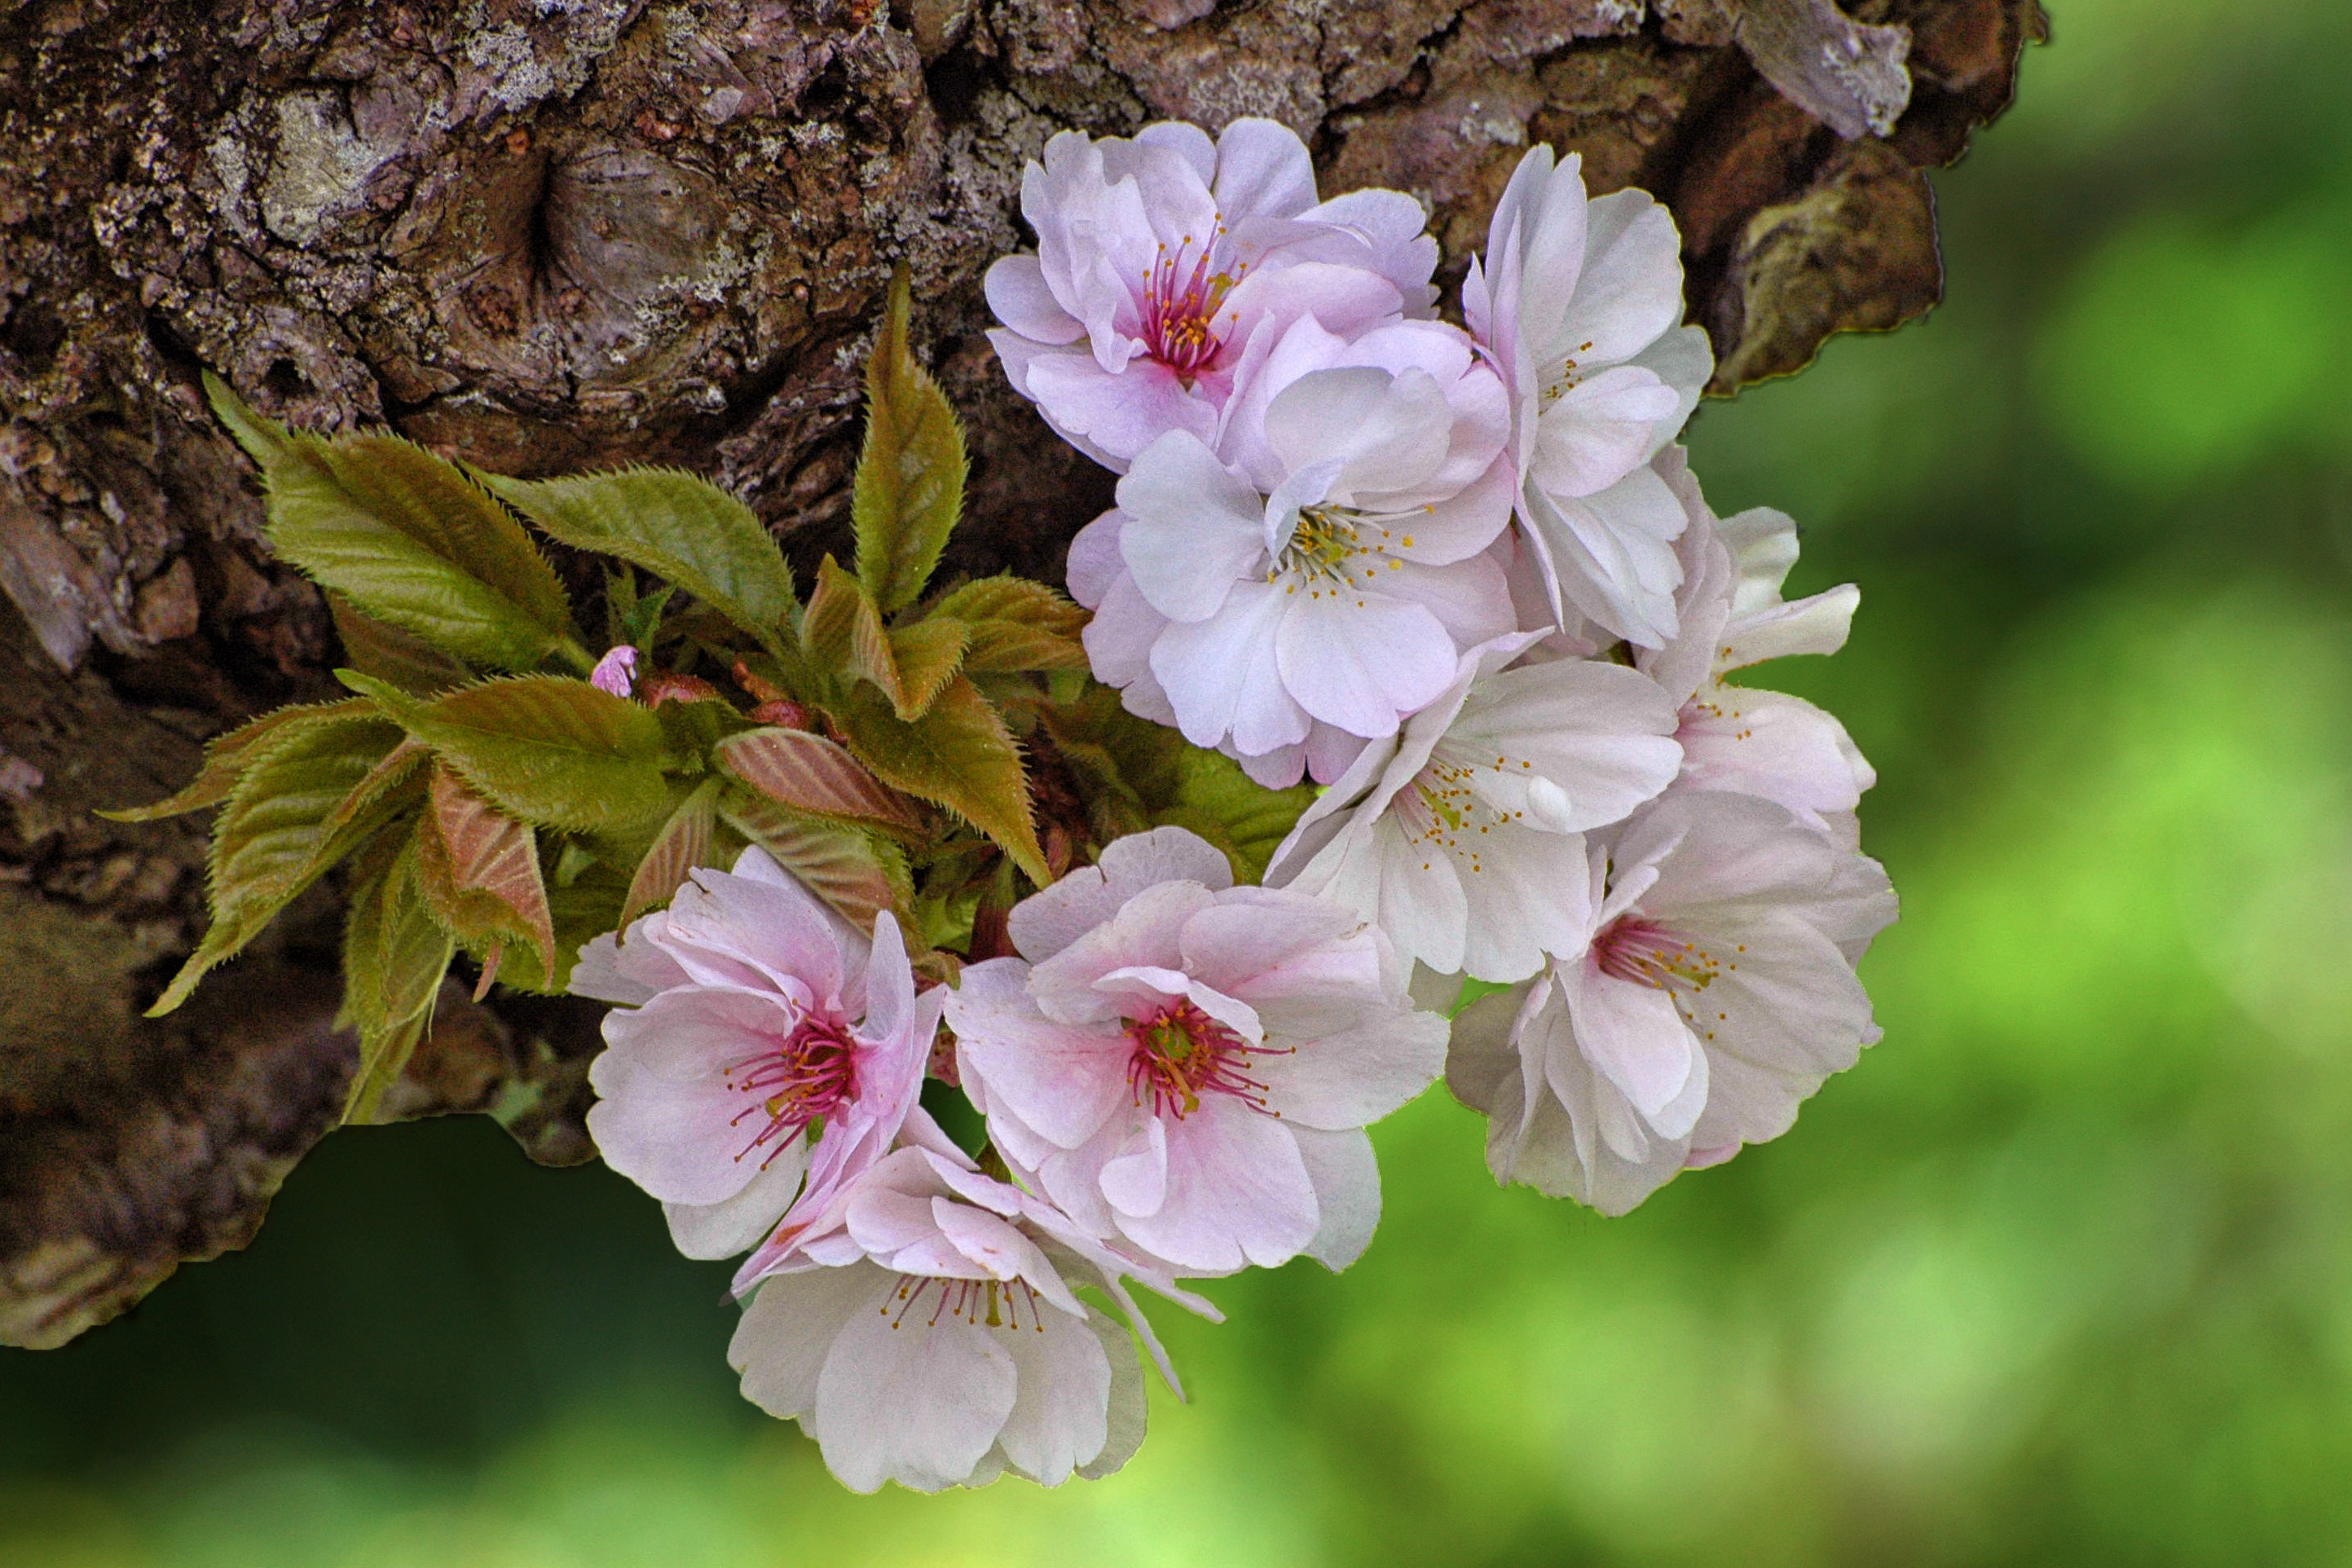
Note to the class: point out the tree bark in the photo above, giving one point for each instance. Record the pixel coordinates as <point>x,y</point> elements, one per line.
<point>544,235</point>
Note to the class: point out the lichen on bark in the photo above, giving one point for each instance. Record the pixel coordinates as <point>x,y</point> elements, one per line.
<point>545,235</point>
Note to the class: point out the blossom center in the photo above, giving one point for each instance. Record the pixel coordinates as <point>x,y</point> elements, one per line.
<point>809,1074</point>
<point>1329,547</point>
<point>1180,1054</point>
<point>1641,951</point>
<point>1442,807</point>
<point>1180,310</point>
<point>983,1303</point>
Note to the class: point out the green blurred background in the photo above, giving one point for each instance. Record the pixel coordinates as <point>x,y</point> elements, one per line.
<point>2062,1273</point>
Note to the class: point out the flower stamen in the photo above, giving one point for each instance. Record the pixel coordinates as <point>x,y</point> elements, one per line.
<point>810,1074</point>
<point>1182,1053</point>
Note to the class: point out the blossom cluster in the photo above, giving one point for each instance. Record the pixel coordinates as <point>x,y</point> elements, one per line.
<point>1460,576</point>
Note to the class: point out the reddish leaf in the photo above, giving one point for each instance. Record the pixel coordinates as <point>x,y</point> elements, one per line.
<point>683,844</point>
<point>809,773</point>
<point>490,861</point>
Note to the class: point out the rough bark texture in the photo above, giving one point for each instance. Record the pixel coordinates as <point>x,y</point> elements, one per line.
<point>545,234</point>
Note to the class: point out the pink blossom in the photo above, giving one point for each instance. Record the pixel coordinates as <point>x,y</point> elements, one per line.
<point>1461,838</point>
<point>920,1326</point>
<point>751,1013</point>
<point>1578,302</point>
<point>1328,569</point>
<point>1713,993</point>
<point>616,672</point>
<point>1164,262</point>
<point>1188,1066</point>
<point>1738,738</point>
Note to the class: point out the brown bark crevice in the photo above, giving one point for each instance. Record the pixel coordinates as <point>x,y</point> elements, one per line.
<point>544,236</point>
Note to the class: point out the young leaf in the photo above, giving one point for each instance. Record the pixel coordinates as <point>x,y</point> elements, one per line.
<point>909,485</point>
<point>395,955</point>
<point>958,755</point>
<point>397,658</point>
<point>856,872</point>
<point>479,869</point>
<point>809,773</point>
<point>546,749</point>
<point>684,843</point>
<point>285,826</point>
<point>227,756</point>
<point>683,529</point>
<point>1016,624</point>
<point>928,653</point>
<point>843,632</point>
<point>407,537</point>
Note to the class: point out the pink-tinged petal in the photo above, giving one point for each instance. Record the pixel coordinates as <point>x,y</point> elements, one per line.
<point>1470,598</point>
<point>1249,940</point>
<point>1278,769</point>
<point>1187,140</point>
<point>1360,659</point>
<point>1094,562</point>
<point>1387,432</point>
<point>1413,888</point>
<point>1053,917</point>
<point>1781,748</point>
<point>1598,738</point>
<point>1263,171</point>
<point>1635,1038</point>
<point>1134,1180</point>
<point>781,1343</point>
<point>1551,209</point>
<point>629,972</point>
<point>739,930</point>
<point>1238,1193</point>
<point>911,1399</point>
<point>685,1142</point>
<point>1629,292</point>
<point>616,672</point>
<point>1141,934</point>
<point>1733,852</point>
<point>1061,1081</point>
<point>1125,1412</point>
<point>695,1033</point>
<point>1222,674</point>
<point>1612,555</point>
<point>1193,529</point>
<point>1064,1381</point>
<point>1355,1078</point>
<point>1391,228</point>
<point>1116,415</point>
<point>1599,431</point>
<point>1528,896</point>
<point>1582,1140</point>
<point>1685,361</point>
<point>1347,1194</point>
<point>1016,292</point>
<point>1120,637</point>
<point>732,1226</point>
<point>1814,625</point>
<point>1762,543</point>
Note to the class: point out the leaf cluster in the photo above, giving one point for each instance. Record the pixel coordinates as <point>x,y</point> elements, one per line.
<point>935,754</point>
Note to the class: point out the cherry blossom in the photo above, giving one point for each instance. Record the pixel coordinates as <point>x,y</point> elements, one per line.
<point>751,1013</point>
<point>616,672</point>
<point>1164,262</point>
<point>1735,737</point>
<point>1713,994</point>
<point>1188,1066</point>
<point>1579,302</point>
<point>1329,569</point>
<point>922,1328</point>
<point>1461,835</point>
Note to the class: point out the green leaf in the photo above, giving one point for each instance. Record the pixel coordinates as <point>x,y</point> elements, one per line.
<point>391,655</point>
<point>1016,624</point>
<point>808,773</point>
<point>407,537</point>
<point>927,653</point>
<point>395,956</point>
<point>909,484</point>
<point>1223,804</point>
<point>843,632</point>
<point>858,873</point>
<point>286,822</point>
<point>478,868</point>
<point>227,756</point>
<point>958,755</point>
<point>679,527</point>
<point>546,749</point>
<point>684,843</point>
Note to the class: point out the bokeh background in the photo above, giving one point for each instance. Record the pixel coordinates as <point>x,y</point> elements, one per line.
<point>2062,1273</point>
